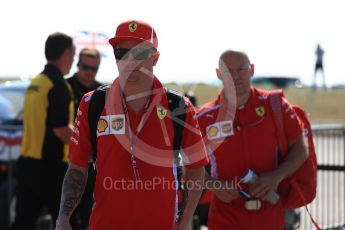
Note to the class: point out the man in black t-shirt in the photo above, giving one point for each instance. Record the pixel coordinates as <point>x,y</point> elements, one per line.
<point>82,82</point>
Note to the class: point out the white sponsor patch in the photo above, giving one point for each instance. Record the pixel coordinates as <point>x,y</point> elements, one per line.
<point>220,129</point>
<point>117,124</point>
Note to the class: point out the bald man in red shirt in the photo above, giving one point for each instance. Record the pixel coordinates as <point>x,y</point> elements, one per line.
<point>136,181</point>
<point>240,134</point>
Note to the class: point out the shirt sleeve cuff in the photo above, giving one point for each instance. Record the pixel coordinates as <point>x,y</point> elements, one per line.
<point>79,162</point>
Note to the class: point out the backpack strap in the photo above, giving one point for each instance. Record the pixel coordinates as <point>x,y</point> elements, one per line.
<point>96,106</point>
<point>177,110</point>
<point>275,98</point>
<point>176,104</point>
<point>317,227</point>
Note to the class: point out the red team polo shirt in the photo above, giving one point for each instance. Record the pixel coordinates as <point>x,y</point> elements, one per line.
<point>240,140</point>
<point>121,201</point>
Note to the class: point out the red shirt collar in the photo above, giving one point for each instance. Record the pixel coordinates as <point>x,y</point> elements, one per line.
<point>114,96</point>
<point>228,112</point>
<point>253,100</point>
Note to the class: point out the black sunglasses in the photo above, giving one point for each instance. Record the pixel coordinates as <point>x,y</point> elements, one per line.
<point>138,53</point>
<point>87,67</point>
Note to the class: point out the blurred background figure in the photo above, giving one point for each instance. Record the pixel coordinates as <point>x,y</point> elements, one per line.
<point>48,114</point>
<point>319,52</point>
<point>83,80</point>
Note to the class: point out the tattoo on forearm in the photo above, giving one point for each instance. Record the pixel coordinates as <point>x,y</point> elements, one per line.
<point>72,190</point>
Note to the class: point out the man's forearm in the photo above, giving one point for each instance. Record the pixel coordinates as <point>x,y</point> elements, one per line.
<point>195,180</point>
<point>210,183</point>
<point>296,156</point>
<point>72,189</point>
<point>224,190</point>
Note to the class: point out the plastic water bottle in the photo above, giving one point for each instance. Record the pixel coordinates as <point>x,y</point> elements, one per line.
<point>251,177</point>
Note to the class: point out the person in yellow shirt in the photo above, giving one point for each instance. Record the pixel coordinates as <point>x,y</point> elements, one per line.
<point>48,112</point>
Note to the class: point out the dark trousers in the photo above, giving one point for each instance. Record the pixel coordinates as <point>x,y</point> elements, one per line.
<point>39,186</point>
<point>202,212</point>
<point>4,202</point>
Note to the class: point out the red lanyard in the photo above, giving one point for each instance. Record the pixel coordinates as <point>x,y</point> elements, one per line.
<point>132,138</point>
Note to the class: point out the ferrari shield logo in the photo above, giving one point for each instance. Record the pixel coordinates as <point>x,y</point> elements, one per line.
<point>260,111</point>
<point>132,27</point>
<point>161,112</point>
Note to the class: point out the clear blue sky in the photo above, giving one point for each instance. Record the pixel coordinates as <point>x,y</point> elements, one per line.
<point>280,37</point>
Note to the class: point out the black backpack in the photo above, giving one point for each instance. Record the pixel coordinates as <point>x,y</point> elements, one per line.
<point>177,110</point>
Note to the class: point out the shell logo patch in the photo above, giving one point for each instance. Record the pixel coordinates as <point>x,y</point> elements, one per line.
<point>132,26</point>
<point>161,112</point>
<point>102,125</point>
<point>212,131</point>
<point>260,111</point>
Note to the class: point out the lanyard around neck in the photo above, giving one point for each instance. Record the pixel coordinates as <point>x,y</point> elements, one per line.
<point>132,138</point>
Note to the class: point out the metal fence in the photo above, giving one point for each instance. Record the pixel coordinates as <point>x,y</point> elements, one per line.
<point>328,208</point>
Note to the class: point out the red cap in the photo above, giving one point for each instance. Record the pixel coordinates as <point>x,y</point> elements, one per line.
<point>135,30</point>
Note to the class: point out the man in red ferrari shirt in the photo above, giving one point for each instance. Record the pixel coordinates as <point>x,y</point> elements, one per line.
<point>136,181</point>
<point>239,133</point>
